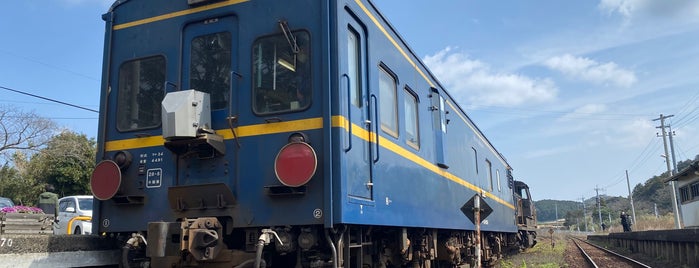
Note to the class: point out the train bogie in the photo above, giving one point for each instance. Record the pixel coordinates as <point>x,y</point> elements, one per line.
<point>297,133</point>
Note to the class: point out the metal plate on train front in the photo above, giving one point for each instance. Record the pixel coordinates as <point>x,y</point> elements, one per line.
<point>154,177</point>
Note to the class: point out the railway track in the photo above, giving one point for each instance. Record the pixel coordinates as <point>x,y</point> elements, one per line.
<point>597,256</point>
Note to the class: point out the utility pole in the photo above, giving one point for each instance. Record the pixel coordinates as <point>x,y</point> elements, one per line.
<point>633,211</point>
<point>599,205</point>
<point>556,203</point>
<point>577,223</point>
<point>584,213</point>
<point>655,209</point>
<point>675,208</point>
<point>674,169</point>
<point>671,133</point>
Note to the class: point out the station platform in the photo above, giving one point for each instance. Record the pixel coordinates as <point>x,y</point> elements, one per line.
<point>679,246</point>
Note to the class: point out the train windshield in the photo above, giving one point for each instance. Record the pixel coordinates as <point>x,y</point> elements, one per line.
<point>210,67</point>
<point>281,74</point>
<point>141,88</point>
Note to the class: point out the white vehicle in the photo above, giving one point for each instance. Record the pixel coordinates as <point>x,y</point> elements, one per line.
<point>74,211</point>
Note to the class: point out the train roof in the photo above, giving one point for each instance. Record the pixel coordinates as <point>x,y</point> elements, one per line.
<point>439,85</point>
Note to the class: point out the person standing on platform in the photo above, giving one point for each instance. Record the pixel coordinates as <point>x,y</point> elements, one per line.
<point>625,222</point>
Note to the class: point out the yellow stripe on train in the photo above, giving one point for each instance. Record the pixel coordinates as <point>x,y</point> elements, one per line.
<point>310,124</point>
<point>177,14</point>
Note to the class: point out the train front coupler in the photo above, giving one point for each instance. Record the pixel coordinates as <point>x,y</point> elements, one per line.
<point>202,238</point>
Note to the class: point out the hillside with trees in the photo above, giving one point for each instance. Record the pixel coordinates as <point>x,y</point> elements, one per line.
<point>651,197</point>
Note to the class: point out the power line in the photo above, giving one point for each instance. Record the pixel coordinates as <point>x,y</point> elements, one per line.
<point>28,102</point>
<point>680,152</point>
<point>573,115</point>
<point>58,118</point>
<point>684,110</point>
<point>685,122</point>
<point>48,99</point>
<point>641,159</point>
<point>691,148</point>
<point>650,150</point>
<point>50,65</point>
<point>37,102</point>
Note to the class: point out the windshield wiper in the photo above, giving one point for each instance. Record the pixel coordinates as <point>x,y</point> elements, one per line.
<point>290,38</point>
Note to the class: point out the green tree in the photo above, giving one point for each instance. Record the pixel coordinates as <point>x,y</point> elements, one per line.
<point>20,131</point>
<point>21,134</point>
<point>66,162</point>
<point>8,178</point>
<point>653,191</point>
<point>16,184</point>
<point>573,218</point>
<point>547,210</point>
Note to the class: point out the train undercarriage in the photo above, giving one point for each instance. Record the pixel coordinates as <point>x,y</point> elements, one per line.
<point>207,242</point>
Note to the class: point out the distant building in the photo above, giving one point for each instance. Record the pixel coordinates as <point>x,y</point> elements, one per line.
<point>687,187</point>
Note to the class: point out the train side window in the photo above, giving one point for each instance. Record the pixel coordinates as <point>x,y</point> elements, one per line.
<point>353,59</point>
<point>497,178</point>
<point>388,102</point>
<point>444,113</point>
<point>475,159</point>
<point>412,134</point>
<point>141,89</point>
<point>281,75</point>
<point>489,173</point>
<point>210,69</point>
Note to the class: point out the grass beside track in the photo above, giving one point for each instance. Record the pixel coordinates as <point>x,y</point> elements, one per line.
<point>543,255</point>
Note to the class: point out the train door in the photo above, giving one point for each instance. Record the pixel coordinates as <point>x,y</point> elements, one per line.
<point>439,126</point>
<point>358,149</point>
<point>208,64</point>
<point>525,205</point>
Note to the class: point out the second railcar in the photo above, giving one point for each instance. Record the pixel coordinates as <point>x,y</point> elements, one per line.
<point>298,133</point>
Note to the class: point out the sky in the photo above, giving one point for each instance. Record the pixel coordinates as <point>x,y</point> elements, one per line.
<point>567,90</point>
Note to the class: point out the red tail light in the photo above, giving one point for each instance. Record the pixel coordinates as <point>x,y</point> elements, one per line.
<point>295,164</point>
<point>105,180</point>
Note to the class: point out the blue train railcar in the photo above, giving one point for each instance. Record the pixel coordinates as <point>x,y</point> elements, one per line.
<point>262,133</point>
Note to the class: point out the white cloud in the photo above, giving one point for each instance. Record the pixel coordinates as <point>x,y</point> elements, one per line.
<point>472,81</point>
<point>585,111</point>
<point>624,7</point>
<point>635,133</point>
<point>658,8</point>
<point>671,8</point>
<point>589,70</point>
<point>551,151</point>
<point>591,109</point>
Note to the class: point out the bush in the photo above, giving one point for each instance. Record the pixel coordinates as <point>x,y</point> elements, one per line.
<point>22,209</point>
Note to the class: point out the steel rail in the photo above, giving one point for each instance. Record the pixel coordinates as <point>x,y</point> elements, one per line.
<point>587,257</point>
<point>627,259</point>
